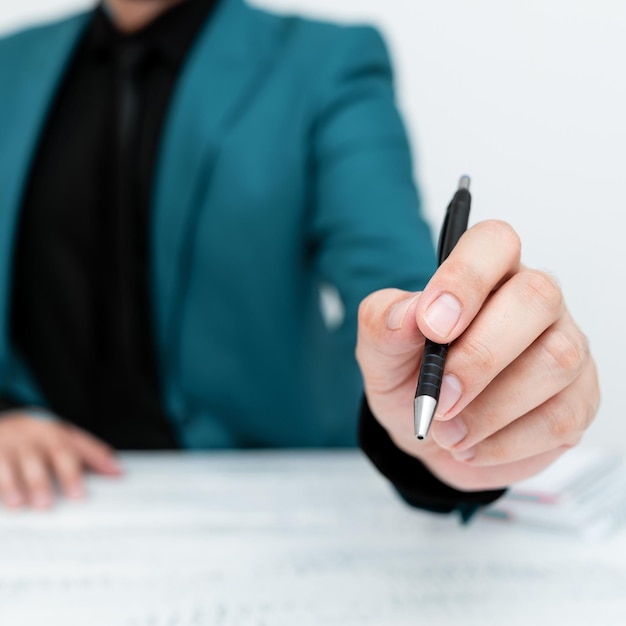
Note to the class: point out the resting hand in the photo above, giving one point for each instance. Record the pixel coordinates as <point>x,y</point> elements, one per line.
<point>520,386</point>
<point>35,452</point>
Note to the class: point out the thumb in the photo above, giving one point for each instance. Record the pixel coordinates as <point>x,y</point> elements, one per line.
<point>389,342</point>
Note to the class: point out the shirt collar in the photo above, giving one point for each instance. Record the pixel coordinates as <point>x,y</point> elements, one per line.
<point>170,36</point>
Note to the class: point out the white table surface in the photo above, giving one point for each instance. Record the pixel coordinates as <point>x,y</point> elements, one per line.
<point>288,539</point>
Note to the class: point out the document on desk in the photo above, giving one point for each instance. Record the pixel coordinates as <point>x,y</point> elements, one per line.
<point>583,493</point>
<point>288,539</point>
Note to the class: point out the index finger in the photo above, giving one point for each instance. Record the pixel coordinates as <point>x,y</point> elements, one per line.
<point>485,256</point>
<point>95,454</point>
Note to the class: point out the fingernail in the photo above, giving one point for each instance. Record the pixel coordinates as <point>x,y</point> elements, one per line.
<point>75,492</point>
<point>449,395</point>
<point>464,455</point>
<point>396,315</point>
<point>448,434</point>
<point>443,314</point>
<point>41,500</point>
<point>13,500</point>
<point>113,466</point>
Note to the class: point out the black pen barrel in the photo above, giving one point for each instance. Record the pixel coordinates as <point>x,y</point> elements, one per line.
<point>457,217</point>
<point>434,355</point>
<point>431,371</point>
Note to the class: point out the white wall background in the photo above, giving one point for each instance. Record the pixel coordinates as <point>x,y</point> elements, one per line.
<point>529,97</point>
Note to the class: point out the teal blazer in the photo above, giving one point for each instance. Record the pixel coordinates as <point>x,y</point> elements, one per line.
<point>283,166</point>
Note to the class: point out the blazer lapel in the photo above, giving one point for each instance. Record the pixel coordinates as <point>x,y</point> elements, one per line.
<point>30,78</point>
<point>228,62</point>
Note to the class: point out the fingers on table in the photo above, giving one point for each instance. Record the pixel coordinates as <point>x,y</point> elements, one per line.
<point>35,476</point>
<point>10,488</point>
<point>38,455</point>
<point>29,471</point>
<point>68,470</point>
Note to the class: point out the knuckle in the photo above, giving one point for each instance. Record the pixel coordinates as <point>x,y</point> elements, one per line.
<point>574,441</point>
<point>478,357</point>
<point>587,414</point>
<point>567,352</point>
<point>71,437</point>
<point>365,310</point>
<point>459,273</point>
<point>370,312</point>
<point>563,421</point>
<point>36,481</point>
<point>65,458</point>
<point>7,467</point>
<point>26,428</point>
<point>484,415</point>
<point>48,443</point>
<point>596,395</point>
<point>33,467</point>
<point>494,451</point>
<point>503,231</point>
<point>373,317</point>
<point>542,289</point>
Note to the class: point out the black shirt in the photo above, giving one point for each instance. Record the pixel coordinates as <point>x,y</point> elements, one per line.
<point>81,314</point>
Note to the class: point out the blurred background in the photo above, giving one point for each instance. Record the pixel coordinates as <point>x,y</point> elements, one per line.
<point>529,98</point>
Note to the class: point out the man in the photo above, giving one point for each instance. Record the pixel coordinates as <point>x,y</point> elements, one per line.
<point>177,178</point>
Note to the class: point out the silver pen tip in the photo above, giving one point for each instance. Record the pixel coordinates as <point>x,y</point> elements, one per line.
<point>464,182</point>
<point>423,411</point>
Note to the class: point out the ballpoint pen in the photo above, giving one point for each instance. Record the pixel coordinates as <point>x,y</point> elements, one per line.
<point>434,356</point>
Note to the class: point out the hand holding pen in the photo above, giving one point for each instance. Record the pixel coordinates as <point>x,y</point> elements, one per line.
<point>519,385</point>
<point>434,354</point>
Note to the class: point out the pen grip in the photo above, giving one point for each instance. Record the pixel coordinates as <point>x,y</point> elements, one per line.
<point>431,371</point>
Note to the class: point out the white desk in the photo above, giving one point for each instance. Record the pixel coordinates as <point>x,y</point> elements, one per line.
<point>252,539</point>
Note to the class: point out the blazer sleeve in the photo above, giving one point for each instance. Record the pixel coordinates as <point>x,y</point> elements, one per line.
<point>367,223</point>
<point>369,230</point>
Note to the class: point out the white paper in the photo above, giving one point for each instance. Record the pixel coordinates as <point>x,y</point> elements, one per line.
<point>287,539</point>
<point>583,493</point>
